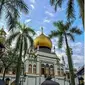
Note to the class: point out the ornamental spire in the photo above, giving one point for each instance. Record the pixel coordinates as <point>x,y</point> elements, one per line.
<point>42,30</point>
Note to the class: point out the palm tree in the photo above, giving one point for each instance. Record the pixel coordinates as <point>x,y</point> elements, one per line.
<point>64,31</point>
<point>70,7</point>
<point>12,9</point>
<point>22,36</point>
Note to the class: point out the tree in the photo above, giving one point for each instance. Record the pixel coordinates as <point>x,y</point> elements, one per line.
<point>8,59</point>
<point>64,31</point>
<point>22,36</point>
<point>70,7</point>
<point>12,9</point>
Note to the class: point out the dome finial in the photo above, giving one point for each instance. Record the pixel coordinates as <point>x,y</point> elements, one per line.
<point>42,30</point>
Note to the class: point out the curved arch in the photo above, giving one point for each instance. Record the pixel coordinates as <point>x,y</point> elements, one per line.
<point>30,68</point>
<point>47,69</point>
<point>42,69</point>
<point>47,65</point>
<point>51,70</point>
<point>34,69</point>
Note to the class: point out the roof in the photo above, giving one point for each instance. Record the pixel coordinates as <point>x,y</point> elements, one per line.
<point>80,71</point>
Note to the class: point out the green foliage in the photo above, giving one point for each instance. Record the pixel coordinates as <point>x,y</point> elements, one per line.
<point>56,3</point>
<point>63,31</point>
<point>12,9</point>
<point>9,59</point>
<point>70,11</point>
<point>23,42</point>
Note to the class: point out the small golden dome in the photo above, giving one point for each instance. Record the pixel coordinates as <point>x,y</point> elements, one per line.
<point>42,41</point>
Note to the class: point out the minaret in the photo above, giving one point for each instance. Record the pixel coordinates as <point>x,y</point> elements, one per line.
<point>54,49</point>
<point>41,30</point>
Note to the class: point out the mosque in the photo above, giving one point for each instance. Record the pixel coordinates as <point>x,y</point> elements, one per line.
<point>44,63</point>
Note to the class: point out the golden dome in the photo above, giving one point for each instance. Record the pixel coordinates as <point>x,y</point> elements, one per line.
<point>42,41</point>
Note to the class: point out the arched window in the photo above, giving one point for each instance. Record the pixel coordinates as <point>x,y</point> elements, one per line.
<point>34,69</point>
<point>30,68</point>
<point>51,70</point>
<point>47,69</point>
<point>42,69</point>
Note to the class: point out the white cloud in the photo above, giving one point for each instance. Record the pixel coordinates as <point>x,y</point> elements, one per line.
<point>60,9</point>
<point>32,6</point>
<point>46,21</point>
<point>49,13</point>
<point>78,52</point>
<point>32,1</point>
<point>28,20</point>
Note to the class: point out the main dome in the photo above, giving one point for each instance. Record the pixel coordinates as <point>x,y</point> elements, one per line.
<point>42,41</point>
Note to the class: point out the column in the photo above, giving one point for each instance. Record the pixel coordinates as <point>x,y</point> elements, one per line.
<point>32,66</point>
<point>26,66</point>
<point>60,70</point>
<point>38,66</point>
<point>55,69</point>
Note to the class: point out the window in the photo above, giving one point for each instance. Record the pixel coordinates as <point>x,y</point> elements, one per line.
<point>51,70</point>
<point>34,69</point>
<point>42,69</point>
<point>47,69</point>
<point>30,68</point>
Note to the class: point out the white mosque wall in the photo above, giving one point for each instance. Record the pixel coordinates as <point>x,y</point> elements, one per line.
<point>37,80</point>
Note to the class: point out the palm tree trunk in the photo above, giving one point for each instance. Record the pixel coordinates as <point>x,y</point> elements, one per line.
<point>4,74</point>
<point>18,72</point>
<point>70,62</point>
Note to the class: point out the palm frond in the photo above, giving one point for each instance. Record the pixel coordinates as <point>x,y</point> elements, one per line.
<point>70,10</point>
<point>52,2</point>
<point>11,21</point>
<point>12,37</point>
<point>56,3</point>
<point>30,40</point>
<point>75,30</point>
<point>19,25</point>
<point>1,6</point>
<point>60,41</point>
<point>68,25</point>
<point>30,30</point>
<point>53,34</point>
<point>59,25</point>
<point>20,4</point>
<point>17,45</point>
<point>70,36</point>
<point>59,2</point>
<point>81,7</point>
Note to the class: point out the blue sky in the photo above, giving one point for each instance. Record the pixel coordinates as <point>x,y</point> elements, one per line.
<point>42,14</point>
